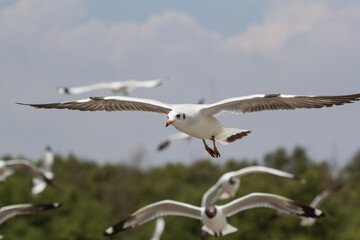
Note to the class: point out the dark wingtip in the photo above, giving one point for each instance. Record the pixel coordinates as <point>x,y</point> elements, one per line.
<point>297,178</point>
<point>163,145</point>
<point>309,211</point>
<point>119,227</point>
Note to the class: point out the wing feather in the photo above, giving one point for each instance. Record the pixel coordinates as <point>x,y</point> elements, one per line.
<point>282,204</point>
<point>262,102</point>
<point>158,209</point>
<point>113,103</point>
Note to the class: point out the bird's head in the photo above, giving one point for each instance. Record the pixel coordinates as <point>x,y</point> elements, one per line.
<point>175,117</point>
<point>210,211</point>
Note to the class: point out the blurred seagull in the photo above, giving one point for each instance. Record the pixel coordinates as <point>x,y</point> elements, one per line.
<point>197,120</point>
<point>213,217</point>
<point>229,183</point>
<point>173,137</point>
<point>159,228</point>
<point>7,168</point>
<point>38,184</point>
<point>24,209</point>
<point>318,200</point>
<point>117,87</point>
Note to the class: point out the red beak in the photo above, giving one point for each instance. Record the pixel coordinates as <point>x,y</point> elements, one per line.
<point>168,123</point>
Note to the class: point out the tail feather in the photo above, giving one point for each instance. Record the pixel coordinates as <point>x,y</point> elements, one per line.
<point>230,135</point>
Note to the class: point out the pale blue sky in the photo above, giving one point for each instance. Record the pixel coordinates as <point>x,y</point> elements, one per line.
<point>211,49</point>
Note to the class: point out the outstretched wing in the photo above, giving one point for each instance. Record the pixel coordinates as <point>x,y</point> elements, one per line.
<point>262,169</point>
<point>282,204</point>
<point>158,209</point>
<point>112,103</point>
<point>262,102</point>
<point>319,199</point>
<point>23,209</point>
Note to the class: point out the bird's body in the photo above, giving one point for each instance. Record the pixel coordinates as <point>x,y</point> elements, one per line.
<point>7,168</point>
<point>117,87</point>
<point>214,217</point>
<point>39,185</point>
<point>197,120</point>
<point>229,183</point>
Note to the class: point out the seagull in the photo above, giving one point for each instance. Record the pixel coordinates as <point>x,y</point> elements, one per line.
<point>318,200</point>
<point>214,217</point>
<point>24,209</point>
<point>7,168</point>
<point>176,136</point>
<point>159,228</point>
<point>197,120</point>
<point>228,184</point>
<point>38,184</point>
<point>117,87</point>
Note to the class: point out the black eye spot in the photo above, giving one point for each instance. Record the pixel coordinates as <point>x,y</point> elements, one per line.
<point>184,116</point>
<point>178,116</point>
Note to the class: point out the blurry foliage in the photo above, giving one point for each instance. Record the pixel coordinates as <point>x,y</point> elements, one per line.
<point>95,197</point>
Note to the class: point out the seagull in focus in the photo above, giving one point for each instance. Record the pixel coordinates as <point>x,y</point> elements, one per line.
<point>197,120</point>
<point>213,217</point>
<point>229,183</point>
<point>117,87</point>
<point>7,168</point>
<point>23,209</point>
<point>318,200</point>
<point>38,184</point>
<point>159,228</point>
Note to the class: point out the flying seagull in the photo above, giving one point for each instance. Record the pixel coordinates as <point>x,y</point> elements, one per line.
<point>197,120</point>
<point>213,217</point>
<point>24,209</point>
<point>7,168</point>
<point>228,184</point>
<point>318,200</point>
<point>173,137</point>
<point>159,228</point>
<point>117,87</point>
<point>38,184</point>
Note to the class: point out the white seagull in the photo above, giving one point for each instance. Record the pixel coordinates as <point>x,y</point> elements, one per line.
<point>24,209</point>
<point>229,183</point>
<point>318,200</point>
<point>197,120</point>
<point>117,87</point>
<point>7,168</point>
<point>38,184</point>
<point>215,217</point>
<point>159,228</point>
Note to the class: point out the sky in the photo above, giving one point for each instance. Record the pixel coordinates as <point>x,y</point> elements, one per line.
<point>209,49</point>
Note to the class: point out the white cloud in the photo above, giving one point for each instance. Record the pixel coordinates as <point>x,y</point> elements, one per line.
<point>286,20</point>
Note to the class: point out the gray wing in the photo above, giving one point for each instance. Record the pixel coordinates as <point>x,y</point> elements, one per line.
<point>319,199</point>
<point>262,169</point>
<point>23,209</point>
<point>158,209</point>
<point>262,102</point>
<point>266,200</point>
<point>113,103</point>
<point>212,194</point>
<point>146,84</point>
<point>27,166</point>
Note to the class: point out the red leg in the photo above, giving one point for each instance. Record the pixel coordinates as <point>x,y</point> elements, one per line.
<point>208,149</point>
<point>216,152</point>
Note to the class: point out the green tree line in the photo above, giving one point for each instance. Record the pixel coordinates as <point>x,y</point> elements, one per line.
<point>95,197</point>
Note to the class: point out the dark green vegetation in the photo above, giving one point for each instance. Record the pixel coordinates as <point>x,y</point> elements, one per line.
<point>95,197</point>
